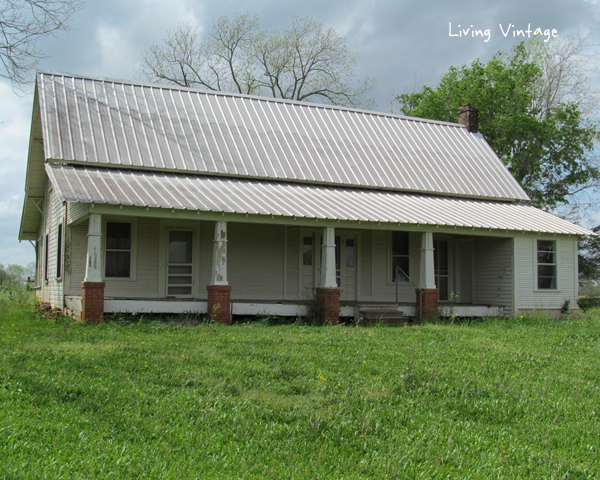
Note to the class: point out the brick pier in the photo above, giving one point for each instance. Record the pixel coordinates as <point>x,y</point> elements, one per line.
<point>328,299</point>
<point>219,303</point>
<point>92,302</point>
<point>430,302</point>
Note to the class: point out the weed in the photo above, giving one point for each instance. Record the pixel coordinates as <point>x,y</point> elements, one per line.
<point>446,311</point>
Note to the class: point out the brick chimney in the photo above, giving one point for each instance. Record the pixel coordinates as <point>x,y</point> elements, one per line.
<point>468,116</point>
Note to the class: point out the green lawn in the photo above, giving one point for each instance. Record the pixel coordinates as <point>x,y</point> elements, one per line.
<point>497,399</point>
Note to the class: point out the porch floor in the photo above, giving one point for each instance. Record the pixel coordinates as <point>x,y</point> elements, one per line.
<point>281,308</point>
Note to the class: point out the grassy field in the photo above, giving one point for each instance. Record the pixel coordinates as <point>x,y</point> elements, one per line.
<point>146,399</point>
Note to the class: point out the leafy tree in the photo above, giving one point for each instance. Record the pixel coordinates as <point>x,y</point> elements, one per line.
<point>530,115</point>
<point>22,23</point>
<point>589,258</point>
<point>14,273</point>
<point>302,62</point>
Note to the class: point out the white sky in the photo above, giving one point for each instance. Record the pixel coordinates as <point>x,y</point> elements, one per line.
<point>398,41</point>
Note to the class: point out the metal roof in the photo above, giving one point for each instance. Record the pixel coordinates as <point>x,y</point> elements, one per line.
<point>158,127</point>
<point>217,194</point>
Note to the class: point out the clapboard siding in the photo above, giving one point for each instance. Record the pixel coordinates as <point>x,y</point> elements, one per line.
<point>293,263</point>
<point>77,255</point>
<point>207,236</point>
<point>52,288</point>
<point>255,261</point>
<point>492,272</point>
<point>531,298</point>
<point>365,265</point>
<point>76,210</point>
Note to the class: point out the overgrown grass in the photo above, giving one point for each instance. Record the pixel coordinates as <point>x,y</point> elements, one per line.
<point>496,399</point>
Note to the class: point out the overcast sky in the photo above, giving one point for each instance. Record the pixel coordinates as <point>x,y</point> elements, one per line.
<point>398,41</point>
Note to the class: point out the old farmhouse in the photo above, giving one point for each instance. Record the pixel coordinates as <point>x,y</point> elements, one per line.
<point>151,198</point>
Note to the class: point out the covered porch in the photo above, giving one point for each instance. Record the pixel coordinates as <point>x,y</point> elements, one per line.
<point>158,264</point>
<point>243,244</point>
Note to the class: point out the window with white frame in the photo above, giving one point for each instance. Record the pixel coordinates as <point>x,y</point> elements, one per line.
<point>118,250</point>
<point>546,265</point>
<point>400,257</point>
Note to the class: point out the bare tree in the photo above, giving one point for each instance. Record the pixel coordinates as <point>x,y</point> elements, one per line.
<point>22,23</point>
<point>566,65</point>
<point>302,62</point>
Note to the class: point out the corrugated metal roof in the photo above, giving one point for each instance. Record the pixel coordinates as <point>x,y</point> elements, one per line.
<point>215,194</point>
<point>151,126</point>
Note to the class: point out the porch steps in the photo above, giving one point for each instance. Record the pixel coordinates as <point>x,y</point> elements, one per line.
<point>388,315</point>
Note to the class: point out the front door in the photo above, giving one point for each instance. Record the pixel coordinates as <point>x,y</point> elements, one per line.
<point>345,263</point>
<point>180,263</point>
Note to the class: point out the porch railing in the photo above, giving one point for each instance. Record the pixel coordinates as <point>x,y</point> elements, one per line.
<point>399,270</point>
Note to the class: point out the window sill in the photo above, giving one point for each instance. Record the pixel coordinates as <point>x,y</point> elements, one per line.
<point>546,290</point>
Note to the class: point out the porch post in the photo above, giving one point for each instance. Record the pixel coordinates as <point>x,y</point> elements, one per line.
<point>92,287</point>
<point>219,290</point>
<point>429,302</point>
<point>328,294</point>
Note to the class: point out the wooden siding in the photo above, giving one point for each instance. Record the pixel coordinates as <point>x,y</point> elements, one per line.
<point>255,261</point>
<point>77,256</point>
<point>365,265</point>
<point>293,263</point>
<point>492,272</point>
<point>52,288</point>
<point>76,210</point>
<point>528,295</point>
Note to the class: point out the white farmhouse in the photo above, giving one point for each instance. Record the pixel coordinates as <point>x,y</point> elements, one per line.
<point>153,198</point>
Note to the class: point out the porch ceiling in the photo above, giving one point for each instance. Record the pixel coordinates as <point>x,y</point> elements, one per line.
<point>218,194</point>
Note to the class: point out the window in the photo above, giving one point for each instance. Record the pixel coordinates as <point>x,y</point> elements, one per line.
<point>440,262</point>
<point>46,259</point>
<point>400,255</point>
<point>118,250</point>
<point>349,252</point>
<point>546,265</point>
<point>59,252</point>
<point>307,251</point>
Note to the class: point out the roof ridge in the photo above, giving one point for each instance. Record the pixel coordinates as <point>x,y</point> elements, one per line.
<point>252,97</point>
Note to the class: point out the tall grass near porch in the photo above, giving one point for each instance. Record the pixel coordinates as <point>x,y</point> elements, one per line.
<point>495,399</point>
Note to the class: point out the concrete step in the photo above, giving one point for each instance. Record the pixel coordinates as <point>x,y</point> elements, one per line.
<point>388,321</point>
<point>389,315</point>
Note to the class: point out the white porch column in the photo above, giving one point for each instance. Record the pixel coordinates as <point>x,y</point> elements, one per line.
<point>219,265</point>
<point>427,277</point>
<point>93,265</point>
<point>328,259</point>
